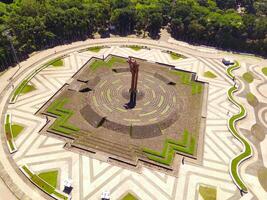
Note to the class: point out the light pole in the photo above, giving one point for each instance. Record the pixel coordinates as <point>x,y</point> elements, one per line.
<point>7,34</point>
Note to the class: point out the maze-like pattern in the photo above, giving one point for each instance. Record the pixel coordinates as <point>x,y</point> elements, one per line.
<point>91,177</point>
<point>157,99</point>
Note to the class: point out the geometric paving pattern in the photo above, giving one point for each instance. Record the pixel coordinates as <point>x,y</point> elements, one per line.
<point>91,177</point>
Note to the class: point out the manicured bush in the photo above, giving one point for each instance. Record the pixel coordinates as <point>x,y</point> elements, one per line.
<point>247,151</point>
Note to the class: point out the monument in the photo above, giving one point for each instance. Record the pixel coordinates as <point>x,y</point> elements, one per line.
<point>134,68</point>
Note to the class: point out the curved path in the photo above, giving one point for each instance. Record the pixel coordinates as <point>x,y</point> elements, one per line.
<point>247,150</point>
<point>44,153</point>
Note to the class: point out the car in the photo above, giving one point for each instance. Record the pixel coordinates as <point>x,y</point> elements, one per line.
<point>228,61</point>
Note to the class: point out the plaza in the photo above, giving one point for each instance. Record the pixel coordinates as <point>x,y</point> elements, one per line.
<point>41,150</point>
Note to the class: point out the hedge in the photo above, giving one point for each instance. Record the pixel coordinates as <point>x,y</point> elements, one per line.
<point>61,124</point>
<point>186,145</point>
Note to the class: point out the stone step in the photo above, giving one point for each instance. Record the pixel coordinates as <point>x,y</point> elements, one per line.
<point>107,147</point>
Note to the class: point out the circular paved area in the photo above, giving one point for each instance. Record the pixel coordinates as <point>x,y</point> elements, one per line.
<point>156,100</point>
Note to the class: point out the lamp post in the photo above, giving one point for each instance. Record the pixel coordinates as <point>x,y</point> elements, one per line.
<point>7,34</point>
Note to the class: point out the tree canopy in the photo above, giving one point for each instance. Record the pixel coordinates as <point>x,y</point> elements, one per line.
<point>38,24</point>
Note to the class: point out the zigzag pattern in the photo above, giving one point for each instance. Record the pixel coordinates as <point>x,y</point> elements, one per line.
<point>90,177</point>
<point>186,145</point>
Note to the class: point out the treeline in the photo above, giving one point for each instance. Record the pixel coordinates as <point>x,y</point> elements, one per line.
<point>38,24</point>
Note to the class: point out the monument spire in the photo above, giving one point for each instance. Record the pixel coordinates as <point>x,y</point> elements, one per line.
<point>134,68</point>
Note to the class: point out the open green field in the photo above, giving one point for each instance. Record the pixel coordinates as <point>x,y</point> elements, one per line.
<point>264,71</point>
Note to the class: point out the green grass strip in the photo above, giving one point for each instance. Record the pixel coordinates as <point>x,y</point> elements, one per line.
<point>135,47</point>
<point>185,78</point>
<point>166,156</point>
<point>27,88</point>
<point>100,63</point>
<point>61,124</point>
<point>16,130</point>
<point>23,84</point>
<point>57,63</point>
<point>230,69</point>
<point>43,185</point>
<point>247,152</point>
<point>176,56</point>
<point>95,49</point>
<point>50,177</point>
<point>8,132</point>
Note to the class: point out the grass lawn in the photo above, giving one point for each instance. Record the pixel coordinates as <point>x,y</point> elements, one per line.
<point>100,63</point>
<point>248,77</point>
<point>27,88</point>
<point>165,157</point>
<point>50,177</point>
<point>250,98</point>
<point>207,193</point>
<point>175,56</point>
<point>129,196</point>
<point>61,124</point>
<point>185,78</point>
<point>95,49</point>
<point>135,47</point>
<point>248,151</point>
<point>57,63</point>
<point>264,71</point>
<point>209,74</point>
<point>16,130</point>
<point>46,181</point>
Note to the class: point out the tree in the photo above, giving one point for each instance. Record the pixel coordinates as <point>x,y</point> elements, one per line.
<point>154,24</point>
